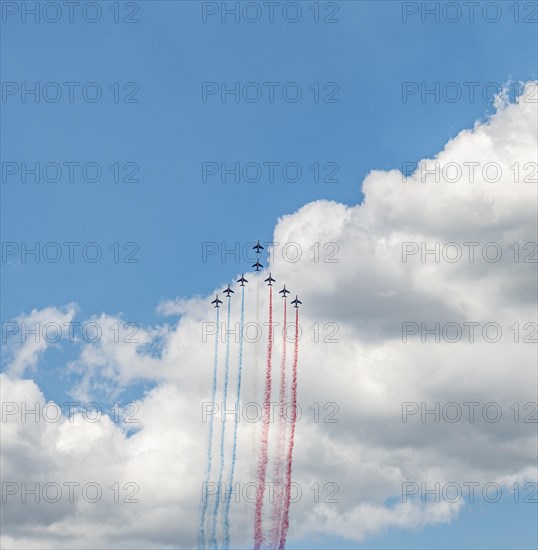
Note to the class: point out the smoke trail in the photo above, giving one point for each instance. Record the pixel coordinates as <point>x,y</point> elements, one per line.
<point>286,512</point>
<point>201,534</point>
<point>222,433</point>
<point>255,385</point>
<point>262,465</point>
<point>232,467</point>
<point>278,477</point>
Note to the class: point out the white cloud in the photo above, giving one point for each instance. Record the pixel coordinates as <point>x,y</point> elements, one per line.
<point>368,373</point>
<point>28,336</point>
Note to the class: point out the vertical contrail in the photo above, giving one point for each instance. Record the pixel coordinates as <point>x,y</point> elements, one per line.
<point>286,512</point>
<point>222,433</point>
<point>262,465</point>
<point>255,366</point>
<point>255,382</point>
<point>201,541</point>
<point>237,405</point>
<point>278,477</point>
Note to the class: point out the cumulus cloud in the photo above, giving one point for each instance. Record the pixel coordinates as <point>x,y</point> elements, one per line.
<point>28,336</point>
<point>362,278</point>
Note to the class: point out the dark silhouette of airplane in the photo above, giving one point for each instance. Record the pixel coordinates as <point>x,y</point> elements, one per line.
<point>216,301</point>
<point>296,301</point>
<point>228,291</point>
<point>270,280</point>
<point>257,247</point>
<point>257,265</point>
<point>242,280</point>
<point>284,292</point>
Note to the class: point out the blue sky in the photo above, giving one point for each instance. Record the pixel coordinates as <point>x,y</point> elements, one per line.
<point>170,212</point>
<point>170,132</point>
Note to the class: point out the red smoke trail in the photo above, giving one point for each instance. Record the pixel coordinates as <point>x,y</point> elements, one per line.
<point>254,437</point>
<point>278,477</point>
<point>262,465</point>
<point>286,513</point>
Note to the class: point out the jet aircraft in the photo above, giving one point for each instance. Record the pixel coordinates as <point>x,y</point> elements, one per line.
<point>284,292</point>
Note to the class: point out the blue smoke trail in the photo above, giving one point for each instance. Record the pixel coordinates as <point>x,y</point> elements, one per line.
<point>222,433</point>
<point>232,467</point>
<point>201,535</point>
